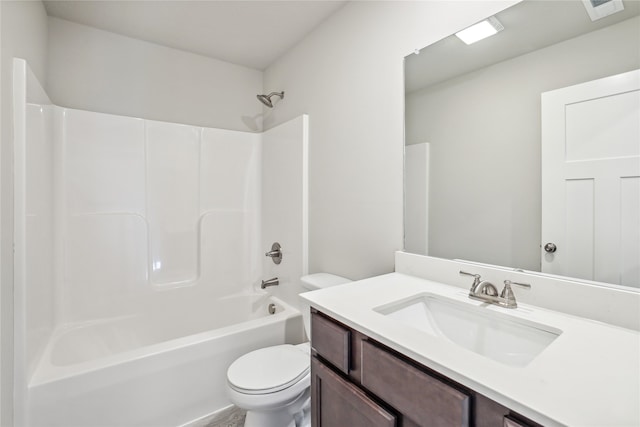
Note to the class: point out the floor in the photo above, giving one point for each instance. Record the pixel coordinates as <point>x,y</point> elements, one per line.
<point>231,417</point>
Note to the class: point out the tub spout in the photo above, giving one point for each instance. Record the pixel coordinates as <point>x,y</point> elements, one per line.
<point>270,282</point>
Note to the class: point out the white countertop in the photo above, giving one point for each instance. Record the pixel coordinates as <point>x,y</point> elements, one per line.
<point>588,376</point>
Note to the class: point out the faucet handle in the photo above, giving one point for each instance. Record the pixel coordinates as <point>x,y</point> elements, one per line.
<point>476,280</point>
<point>275,253</point>
<point>509,282</point>
<point>507,293</point>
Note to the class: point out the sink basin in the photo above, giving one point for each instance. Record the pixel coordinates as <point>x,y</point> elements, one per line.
<point>501,337</point>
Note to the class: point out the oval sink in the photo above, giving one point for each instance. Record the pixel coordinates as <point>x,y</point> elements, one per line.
<point>501,337</point>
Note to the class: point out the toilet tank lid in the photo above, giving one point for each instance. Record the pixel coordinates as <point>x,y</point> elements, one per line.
<point>322,280</point>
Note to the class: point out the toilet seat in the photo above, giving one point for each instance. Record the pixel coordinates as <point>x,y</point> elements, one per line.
<point>268,370</point>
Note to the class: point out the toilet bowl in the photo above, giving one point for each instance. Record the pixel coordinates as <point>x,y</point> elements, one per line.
<point>273,383</point>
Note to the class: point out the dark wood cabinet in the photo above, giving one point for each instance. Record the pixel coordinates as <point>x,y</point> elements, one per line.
<point>417,395</point>
<point>338,402</point>
<point>357,381</point>
<point>333,340</point>
<point>511,421</point>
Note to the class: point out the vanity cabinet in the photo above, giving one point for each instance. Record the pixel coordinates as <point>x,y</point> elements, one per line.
<point>339,402</point>
<point>356,381</point>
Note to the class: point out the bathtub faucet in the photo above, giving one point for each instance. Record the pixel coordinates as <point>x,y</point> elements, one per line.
<point>270,282</point>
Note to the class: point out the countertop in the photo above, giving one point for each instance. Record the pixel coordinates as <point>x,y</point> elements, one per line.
<point>588,376</point>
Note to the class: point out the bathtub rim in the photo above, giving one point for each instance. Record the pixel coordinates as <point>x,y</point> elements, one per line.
<point>46,372</point>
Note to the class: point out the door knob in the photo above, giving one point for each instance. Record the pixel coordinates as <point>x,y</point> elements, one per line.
<point>550,247</point>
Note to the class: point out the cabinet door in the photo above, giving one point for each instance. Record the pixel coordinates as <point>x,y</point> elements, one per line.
<point>336,402</point>
<point>491,414</point>
<point>331,341</point>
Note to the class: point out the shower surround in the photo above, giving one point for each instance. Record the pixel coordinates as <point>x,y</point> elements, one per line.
<point>139,251</point>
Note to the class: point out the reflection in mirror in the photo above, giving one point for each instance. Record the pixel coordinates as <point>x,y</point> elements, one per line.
<point>476,128</point>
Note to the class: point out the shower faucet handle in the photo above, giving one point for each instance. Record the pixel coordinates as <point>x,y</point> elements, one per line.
<point>275,253</point>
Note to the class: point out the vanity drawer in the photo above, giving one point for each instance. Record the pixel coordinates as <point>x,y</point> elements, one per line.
<point>425,400</point>
<point>337,402</point>
<point>510,421</point>
<point>331,341</point>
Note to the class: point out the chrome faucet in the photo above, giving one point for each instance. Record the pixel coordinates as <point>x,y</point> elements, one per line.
<point>480,288</point>
<point>486,291</point>
<point>270,282</point>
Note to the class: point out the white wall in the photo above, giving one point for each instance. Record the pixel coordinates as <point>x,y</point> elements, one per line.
<point>348,76</point>
<point>96,70</point>
<point>284,205</point>
<point>23,34</point>
<point>485,154</point>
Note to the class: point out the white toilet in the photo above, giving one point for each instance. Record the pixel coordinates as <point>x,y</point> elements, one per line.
<point>273,383</point>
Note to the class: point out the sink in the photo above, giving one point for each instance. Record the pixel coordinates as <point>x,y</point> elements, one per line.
<point>501,337</point>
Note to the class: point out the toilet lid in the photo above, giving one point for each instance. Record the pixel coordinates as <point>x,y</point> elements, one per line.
<point>268,369</point>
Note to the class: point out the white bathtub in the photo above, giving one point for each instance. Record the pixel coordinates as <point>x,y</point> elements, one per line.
<point>156,370</point>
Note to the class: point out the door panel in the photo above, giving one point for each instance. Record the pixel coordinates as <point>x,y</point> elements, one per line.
<point>590,175</point>
<point>603,127</point>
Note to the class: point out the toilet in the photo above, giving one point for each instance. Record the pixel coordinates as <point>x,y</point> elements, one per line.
<point>273,383</point>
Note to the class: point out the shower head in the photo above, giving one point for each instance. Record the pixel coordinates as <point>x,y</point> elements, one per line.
<point>266,99</point>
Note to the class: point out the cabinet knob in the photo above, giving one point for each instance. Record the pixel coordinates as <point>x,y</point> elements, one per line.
<point>550,247</point>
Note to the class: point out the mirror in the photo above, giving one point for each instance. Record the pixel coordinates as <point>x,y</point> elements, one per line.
<point>473,180</point>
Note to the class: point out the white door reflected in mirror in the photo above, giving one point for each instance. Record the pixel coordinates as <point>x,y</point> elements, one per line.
<point>591,180</point>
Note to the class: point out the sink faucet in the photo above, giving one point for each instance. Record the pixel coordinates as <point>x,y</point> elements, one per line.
<point>480,288</point>
<point>487,292</point>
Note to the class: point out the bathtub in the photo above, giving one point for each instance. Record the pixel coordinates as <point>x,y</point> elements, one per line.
<point>153,370</point>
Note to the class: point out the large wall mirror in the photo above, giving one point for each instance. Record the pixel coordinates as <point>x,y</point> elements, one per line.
<point>507,138</point>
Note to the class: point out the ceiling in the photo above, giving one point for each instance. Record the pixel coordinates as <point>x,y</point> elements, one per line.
<point>249,33</point>
<point>529,26</point>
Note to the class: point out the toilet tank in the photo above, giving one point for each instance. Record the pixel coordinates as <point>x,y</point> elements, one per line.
<point>312,282</point>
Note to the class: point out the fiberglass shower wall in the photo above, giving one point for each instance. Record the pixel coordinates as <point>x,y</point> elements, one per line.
<point>150,206</point>
<point>33,229</point>
<point>118,216</point>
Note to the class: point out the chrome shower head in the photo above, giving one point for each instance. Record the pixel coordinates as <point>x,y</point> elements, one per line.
<point>266,99</point>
